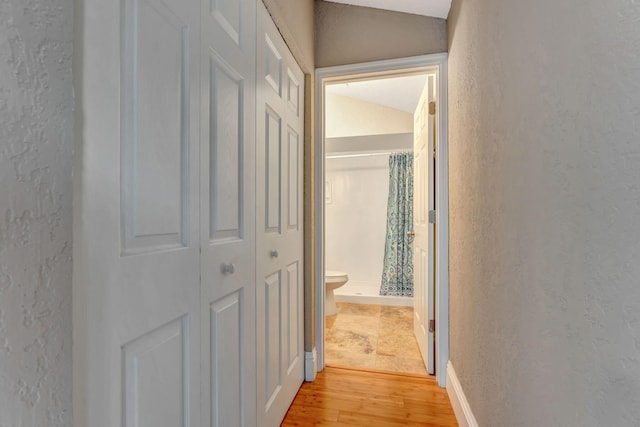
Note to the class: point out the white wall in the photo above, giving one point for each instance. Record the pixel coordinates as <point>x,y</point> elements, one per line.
<point>544,128</point>
<point>356,217</point>
<point>36,136</point>
<point>370,143</point>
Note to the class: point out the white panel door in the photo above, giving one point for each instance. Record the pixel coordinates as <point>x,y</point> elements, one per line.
<point>423,243</point>
<point>280,129</point>
<point>227,210</point>
<point>136,284</point>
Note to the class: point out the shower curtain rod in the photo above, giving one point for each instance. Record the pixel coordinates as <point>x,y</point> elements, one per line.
<point>381,153</point>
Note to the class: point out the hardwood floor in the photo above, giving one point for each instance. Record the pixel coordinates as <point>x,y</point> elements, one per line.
<point>348,397</point>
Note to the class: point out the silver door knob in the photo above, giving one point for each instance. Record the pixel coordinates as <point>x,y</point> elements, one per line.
<point>228,268</point>
<point>411,234</point>
<point>274,254</point>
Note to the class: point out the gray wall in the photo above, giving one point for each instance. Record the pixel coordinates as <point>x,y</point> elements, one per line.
<point>545,210</point>
<point>351,34</point>
<point>36,136</point>
<point>294,19</point>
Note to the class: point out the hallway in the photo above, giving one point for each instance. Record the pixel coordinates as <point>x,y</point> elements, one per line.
<point>344,397</point>
<point>135,267</point>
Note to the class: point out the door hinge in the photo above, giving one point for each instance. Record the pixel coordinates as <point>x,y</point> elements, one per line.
<point>432,108</point>
<point>432,325</point>
<point>432,217</point>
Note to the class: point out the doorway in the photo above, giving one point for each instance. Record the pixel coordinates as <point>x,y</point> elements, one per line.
<point>335,77</point>
<point>369,203</point>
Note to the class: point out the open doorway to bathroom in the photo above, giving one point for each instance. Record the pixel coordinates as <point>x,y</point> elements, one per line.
<point>369,180</point>
<point>366,116</point>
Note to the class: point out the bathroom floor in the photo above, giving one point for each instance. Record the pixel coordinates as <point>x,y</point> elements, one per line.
<point>374,337</point>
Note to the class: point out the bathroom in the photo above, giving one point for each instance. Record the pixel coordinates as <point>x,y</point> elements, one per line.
<point>366,123</point>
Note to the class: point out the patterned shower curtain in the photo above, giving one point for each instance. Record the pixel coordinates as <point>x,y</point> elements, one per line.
<point>397,273</point>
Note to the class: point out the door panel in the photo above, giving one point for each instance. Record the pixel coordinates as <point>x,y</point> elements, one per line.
<point>279,239</point>
<point>293,182</point>
<point>226,146</point>
<point>272,66</point>
<point>154,140</point>
<point>226,319</point>
<point>293,92</point>
<point>423,244</point>
<point>156,376</point>
<point>229,17</point>
<point>227,181</point>
<point>136,283</point>
<point>272,150</point>
<point>293,318</point>
<point>273,337</point>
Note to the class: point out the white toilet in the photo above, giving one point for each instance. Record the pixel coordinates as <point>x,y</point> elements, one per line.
<point>332,281</point>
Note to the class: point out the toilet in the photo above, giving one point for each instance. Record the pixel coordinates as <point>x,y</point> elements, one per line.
<point>332,281</point>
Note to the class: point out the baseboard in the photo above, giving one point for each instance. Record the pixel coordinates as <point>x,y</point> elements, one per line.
<point>375,299</point>
<point>458,400</point>
<point>310,365</point>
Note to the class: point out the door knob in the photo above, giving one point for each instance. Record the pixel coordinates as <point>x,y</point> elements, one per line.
<point>411,234</point>
<point>228,268</point>
<point>274,254</point>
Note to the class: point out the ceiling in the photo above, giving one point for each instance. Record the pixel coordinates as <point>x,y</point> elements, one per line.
<point>435,8</point>
<point>401,93</point>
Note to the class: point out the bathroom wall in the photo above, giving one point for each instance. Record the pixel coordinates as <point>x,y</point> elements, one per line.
<point>386,142</point>
<point>36,138</point>
<point>544,131</point>
<point>357,187</point>
<point>355,217</point>
<point>345,117</point>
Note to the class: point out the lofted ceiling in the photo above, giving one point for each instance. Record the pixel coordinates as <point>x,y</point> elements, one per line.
<point>435,8</point>
<point>401,93</point>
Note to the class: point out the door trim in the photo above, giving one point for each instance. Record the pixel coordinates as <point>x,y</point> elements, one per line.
<point>393,67</point>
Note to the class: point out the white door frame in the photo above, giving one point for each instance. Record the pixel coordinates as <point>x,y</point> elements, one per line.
<point>387,68</point>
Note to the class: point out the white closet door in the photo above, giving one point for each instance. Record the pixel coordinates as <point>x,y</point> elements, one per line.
<point>136,284</point>
<point>227,209</point>
<point>280,129</point>
<point>423,243</point>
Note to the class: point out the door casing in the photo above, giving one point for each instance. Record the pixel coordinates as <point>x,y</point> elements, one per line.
<point>435,63</point>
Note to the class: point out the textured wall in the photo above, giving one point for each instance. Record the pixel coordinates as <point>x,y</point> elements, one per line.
<point>545,210</point>
<point>36,135</point>
<point>351,34</point>
<point>294,19</point>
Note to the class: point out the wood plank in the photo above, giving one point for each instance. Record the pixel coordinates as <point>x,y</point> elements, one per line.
<point>362,419</point>
<point>345,397</point>
<point>353,397</point>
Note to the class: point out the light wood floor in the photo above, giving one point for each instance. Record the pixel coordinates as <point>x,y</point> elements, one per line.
<point>348,397</point>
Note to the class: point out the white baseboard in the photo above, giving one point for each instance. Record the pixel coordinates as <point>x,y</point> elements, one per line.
<point>458,400</point>
<point>375,299</point>
<point>310,365</point>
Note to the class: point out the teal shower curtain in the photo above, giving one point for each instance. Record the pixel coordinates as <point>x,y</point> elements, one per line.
<point>397,273</point>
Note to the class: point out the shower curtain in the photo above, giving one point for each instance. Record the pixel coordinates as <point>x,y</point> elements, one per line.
<point>397,273</point>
